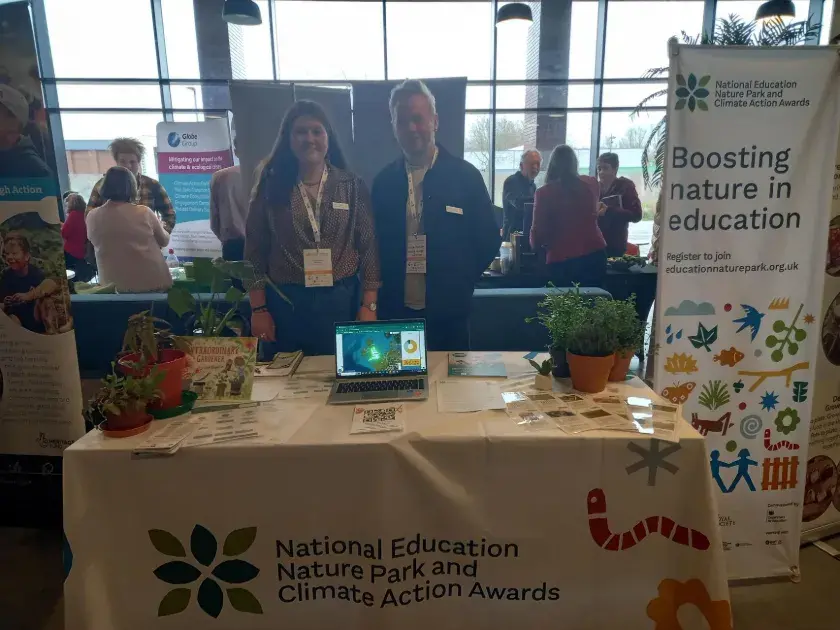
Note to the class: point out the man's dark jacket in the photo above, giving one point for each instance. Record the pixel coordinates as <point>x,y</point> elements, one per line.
<point>461,242</point>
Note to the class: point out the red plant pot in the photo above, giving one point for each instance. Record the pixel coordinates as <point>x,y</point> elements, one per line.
<point>171,363</point>
<point>129,422</point>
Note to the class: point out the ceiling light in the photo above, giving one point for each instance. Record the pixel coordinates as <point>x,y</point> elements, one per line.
<point>515,13</point>
<point>244,12</point>
<point>775,9</point>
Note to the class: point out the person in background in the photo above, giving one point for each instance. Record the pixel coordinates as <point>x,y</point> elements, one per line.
<point>518,190</point>
<point>435,205</point>
<point>18,155</point>
<point>23,285</point>
<point>127,238</point>
<point>309,234</point>
<point>619,206</point>
<point>128,153</point>
<point>566,223</point>
<point>74,235</point>
<point>229,209</point>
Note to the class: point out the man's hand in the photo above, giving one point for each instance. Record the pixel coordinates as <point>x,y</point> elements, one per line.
<point>602,208</point>
<point>17,298</point>
<point>366,315</point>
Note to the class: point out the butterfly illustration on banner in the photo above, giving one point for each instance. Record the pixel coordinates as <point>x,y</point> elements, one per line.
<point>679,393</point>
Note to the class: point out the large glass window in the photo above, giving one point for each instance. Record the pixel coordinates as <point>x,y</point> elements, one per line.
<point>250,48</point>
<point>180,32</point>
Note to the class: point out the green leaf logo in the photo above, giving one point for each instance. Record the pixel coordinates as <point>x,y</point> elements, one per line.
<point>692,93</point>
<point>204,548</point>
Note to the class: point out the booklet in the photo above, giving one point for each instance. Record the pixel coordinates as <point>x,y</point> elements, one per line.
<point>283,364</point>
<point>219,368</point>
<point>476,364</point>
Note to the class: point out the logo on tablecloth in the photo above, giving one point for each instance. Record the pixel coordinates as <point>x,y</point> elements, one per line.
<point>204,548</point>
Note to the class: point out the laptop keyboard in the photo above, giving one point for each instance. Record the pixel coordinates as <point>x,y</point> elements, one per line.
<point>380,386</point>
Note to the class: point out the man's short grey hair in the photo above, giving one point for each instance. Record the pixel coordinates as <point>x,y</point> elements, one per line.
<point>406,90</point>
<point>528,152</point>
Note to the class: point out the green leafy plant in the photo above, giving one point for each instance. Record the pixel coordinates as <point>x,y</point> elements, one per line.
<point>782,343</point>
<point>714,395</point>
<point>120,393</point>
<point>630,330</point>
<point>146,335</point>
<point>559,310</point>
<point>731,31</point>
<point>704,338</point>
<point>544,368</point>
<point>800,391</point>
<point>593,331</point>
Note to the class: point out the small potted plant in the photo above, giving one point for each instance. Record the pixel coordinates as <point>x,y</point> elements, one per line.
<point>543,378</point>
<point>630,335</point>
<point>147,346</point>
<point>120,406</point>
<point>590,346</point>
<point>558,311</point>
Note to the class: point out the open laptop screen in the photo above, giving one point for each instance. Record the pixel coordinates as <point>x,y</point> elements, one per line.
<point>379,348</point>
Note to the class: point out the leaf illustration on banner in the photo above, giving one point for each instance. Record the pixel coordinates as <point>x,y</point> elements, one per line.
<point>704,337</point>
<point>800,391</point>
<point>210,598</point>
<point>714,395</point>
<point>166,543</point>
<point>704,80</point>
<point>174,602</point>
<point>785,343</point>
<point>203,545</point>
<point>239,541</point>
<point>242,600</point>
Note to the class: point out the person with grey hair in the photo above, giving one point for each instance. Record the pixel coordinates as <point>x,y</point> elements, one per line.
<point>18,155</point>
<point>518,190</point>
<point>434,222</point>
<point>127,237</point>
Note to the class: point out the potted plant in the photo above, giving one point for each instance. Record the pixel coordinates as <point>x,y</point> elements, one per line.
<point>120,405</point>
<point>147,346</point>
<point>590,346</point>
<point>559,309</point>
<point>630,336</point>
<point>543,378</point>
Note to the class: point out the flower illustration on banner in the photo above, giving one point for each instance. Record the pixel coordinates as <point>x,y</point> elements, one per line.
<point>787,420</point>
<point>785,342</point>
<point>204,547</point>
<point>692,92</point>
<point>674,594</point>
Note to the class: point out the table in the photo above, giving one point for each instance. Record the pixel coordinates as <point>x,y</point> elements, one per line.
<point>462,521</point>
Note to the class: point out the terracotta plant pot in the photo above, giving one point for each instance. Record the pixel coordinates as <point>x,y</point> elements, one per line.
<point>171,363</point>
<point>621,366</point>
<point>127,421</point>
<point>561,367</point>
<point>590,374</point>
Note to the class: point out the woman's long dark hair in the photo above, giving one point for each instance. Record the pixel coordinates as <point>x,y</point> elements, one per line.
<point>563,166</point>
<point>279,171</point>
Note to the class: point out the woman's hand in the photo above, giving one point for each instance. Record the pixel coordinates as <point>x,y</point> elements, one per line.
<point>602,208</point>
<point>262,326</point>
<point>366,315</point>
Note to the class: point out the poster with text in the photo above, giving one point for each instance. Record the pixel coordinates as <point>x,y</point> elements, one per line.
<point>821,508</point>
<point>188,155</point>
<point>40,390</point>
<point>747,198</point>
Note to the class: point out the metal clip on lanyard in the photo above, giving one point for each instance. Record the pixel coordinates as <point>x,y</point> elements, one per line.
<point>414,210</point>
<point>315,223</point>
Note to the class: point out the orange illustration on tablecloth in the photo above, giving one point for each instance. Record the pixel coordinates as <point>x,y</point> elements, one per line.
<point>673,594</point>
<point>599,528</point>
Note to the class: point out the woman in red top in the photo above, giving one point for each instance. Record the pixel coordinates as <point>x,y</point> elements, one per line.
<point>74,233</point>
<point>566,223</point>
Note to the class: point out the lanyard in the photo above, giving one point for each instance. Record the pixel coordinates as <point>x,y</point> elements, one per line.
<point>316,228</point>
<point>414,210</point>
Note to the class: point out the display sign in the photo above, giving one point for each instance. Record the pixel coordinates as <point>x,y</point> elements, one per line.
<point>219,368</point>
<point>739,304</point>
<point>188,154</point>
<point>40,390</point>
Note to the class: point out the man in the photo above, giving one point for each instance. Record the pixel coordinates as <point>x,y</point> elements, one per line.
<point>434,223</point>
<point>619,205</point>
<point>128,153</point>
<point>18,156</point>
<point>229,209</point>
<point>518,190</point>
<point>22,285</point>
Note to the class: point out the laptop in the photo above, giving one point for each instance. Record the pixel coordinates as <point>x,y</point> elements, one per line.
<point>380,361</point>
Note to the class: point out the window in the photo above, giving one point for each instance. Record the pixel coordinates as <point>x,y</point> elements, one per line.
<point>744,9</point>
<point>102,38</point>
<point>250,48</point>
<point>477,143</point>
<point>583,45</point>
<point>825,22</point>
<point>353,30</point>
<point>180,33</point>
<point>440,39</point>
<point>638,33</point>
<point>108,95</point>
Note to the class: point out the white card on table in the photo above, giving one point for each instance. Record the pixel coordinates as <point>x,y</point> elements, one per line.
<point>378,418</point>
<point>317,267</point>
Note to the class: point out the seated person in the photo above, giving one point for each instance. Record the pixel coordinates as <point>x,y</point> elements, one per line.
<point>127,238</point>
<point>74,234</point>
<point>620,205</point>
<point>23,285</point>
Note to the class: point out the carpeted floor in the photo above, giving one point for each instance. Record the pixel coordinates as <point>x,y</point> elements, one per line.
<point>31,575</point>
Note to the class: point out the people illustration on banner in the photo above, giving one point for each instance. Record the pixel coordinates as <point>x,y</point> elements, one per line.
<point>742,464</point>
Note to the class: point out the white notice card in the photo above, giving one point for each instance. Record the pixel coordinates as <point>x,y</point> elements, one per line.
<point>378,418</point>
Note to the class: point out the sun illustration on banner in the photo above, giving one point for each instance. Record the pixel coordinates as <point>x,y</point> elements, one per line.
<point>674,594</point>
<point>692,92</point>
<point>203,547</point>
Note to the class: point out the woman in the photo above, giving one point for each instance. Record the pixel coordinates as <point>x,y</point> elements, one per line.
<point>74,235</point>
<point>619,207</point>
<point>566,223</point>
<point>309,234</point>
<point>127,238</point>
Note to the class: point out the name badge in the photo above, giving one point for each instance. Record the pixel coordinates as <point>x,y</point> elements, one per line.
<point>340,206</point>
<point>415,261</point>
<point>454,210</point>
<point>317,267</point>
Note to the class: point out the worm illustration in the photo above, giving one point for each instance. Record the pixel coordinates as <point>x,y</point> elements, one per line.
<point>604,538</point>
<point>778,445</point>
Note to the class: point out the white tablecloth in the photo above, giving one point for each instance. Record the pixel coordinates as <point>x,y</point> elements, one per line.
<point>462,521</point>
